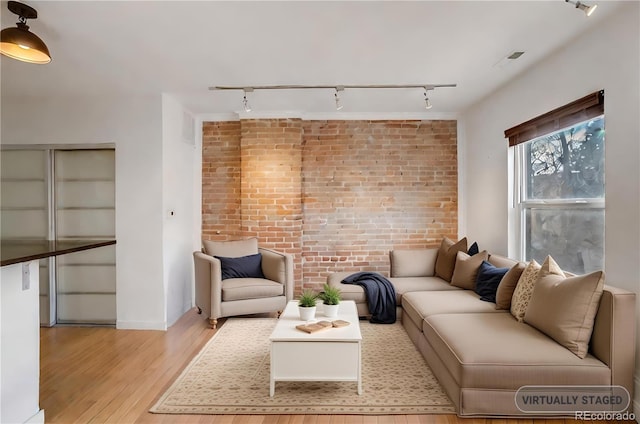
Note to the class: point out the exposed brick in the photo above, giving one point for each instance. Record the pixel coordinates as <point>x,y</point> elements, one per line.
<point>338,195</point>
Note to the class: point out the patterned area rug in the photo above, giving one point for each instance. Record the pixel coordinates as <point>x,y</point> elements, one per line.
<point>231,376</point>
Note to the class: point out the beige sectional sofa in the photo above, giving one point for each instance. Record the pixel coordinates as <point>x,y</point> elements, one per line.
<point>482,355</point>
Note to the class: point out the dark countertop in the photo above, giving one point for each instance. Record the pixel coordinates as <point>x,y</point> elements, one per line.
<point>16,251</point>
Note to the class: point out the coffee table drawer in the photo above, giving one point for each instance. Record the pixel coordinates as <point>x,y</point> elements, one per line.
<point>315,361</point>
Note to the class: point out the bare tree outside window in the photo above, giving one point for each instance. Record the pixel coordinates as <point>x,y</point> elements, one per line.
<point>563,196</point>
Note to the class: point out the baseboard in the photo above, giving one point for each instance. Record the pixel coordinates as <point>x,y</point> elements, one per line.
<point>141,325</point>
<point>636,397</point>
<point>37,418</point>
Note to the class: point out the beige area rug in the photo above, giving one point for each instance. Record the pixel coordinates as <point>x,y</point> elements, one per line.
<point>231,376</point>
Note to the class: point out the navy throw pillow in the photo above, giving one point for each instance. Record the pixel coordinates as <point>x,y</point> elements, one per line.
<point>474,249</point>
<point>487,281</point>
<point>242,267</point>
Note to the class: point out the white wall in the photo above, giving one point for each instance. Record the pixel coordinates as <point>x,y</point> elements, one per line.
<point>134,125</point>
<point>19,346</point>
<point>607,57</point>
<point>178,158</point>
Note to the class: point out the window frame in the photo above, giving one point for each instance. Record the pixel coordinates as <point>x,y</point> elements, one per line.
<point>522,204</point>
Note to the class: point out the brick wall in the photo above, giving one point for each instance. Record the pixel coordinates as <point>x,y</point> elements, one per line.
<point>338,195</point>
<point>270,195</point>
<point>221,219</point>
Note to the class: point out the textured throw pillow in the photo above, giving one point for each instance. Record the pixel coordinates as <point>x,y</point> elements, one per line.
<point>466,269</point>
<point>242,267</point>
<point>474,249</point>
<point>524,289</point>
<point>446,259</point>
<point>487,281</point>
<point>508,285</point>
<point>564,308</point>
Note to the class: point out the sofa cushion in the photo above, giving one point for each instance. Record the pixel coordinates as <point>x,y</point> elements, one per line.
<point>564,308</point>
<point>231,249</point>
<point>473,249</point>
<point>494,351</point>
<point>466,269</point>
<point>446,259</point>
<point>250,288</point>
<point>487,281</point>
<point>412,284</point>
<point>413,263</point>
<point>507,286</point>
<point>524,289</point>
<point>242,267</point>
<point>419,305</point>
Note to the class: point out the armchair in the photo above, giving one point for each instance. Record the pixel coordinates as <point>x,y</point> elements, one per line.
<point>218,297</point>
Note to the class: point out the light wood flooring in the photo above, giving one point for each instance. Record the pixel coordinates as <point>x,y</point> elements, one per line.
<point>103,375</point>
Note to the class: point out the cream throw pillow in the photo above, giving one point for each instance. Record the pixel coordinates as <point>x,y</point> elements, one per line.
<point>446,259</point>
<point>564,308</point>
<point>466,269</point>
<point>524,289</point>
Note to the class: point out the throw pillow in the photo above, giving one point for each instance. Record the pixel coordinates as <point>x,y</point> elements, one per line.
<point>242,267</point>
<point>474,249</point>
<point>524,289</point>
<point>466,269</point>
<point>446,259</point>
<point>508,285</point>
<point>564,308</point>
<point>487,281</point>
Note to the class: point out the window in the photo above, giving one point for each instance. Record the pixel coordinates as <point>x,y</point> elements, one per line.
<point>560,189</point>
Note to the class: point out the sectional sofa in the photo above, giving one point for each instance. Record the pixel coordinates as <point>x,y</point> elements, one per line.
<point>483,351</point>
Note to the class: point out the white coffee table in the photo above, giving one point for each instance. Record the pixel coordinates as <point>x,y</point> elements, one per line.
<point>328,355</point>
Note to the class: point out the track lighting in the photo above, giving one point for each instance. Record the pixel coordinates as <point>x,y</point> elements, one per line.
<point>338,104</point>
<point>588,10</point>
<point>20,43</point>
<point>427,102</point>
<point>336,88</point>
<point>245,102</point>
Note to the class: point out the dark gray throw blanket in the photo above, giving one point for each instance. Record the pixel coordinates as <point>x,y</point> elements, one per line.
<point>381,296</point>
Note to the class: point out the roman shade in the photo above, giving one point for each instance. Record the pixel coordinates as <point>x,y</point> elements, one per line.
<point>589,106</point>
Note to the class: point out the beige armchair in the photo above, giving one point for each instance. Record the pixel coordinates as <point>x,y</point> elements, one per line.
<point>218,297</point>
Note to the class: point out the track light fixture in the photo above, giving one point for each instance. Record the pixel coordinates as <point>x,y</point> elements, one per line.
<point>338,104</point>
<point>427,102</point>
<point>336,88</point>
<point>21,44</point>
<point>245,102</point>
<point>588,10</point>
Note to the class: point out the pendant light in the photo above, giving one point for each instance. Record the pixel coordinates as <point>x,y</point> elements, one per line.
<point>21,44</point>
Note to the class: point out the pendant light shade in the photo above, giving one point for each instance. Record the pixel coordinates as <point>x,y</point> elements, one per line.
<point>20,43</point>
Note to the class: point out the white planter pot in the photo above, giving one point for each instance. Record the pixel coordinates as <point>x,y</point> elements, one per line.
<point>307,313</point>
<point>330,311</point>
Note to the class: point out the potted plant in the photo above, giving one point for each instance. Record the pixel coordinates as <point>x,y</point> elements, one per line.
<point>331,297</point>
<point>307,305</point>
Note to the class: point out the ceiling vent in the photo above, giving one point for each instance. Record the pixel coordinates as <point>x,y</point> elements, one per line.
<point>508,59</point>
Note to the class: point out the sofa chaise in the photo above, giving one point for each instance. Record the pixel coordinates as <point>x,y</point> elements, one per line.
<point>479,351</point>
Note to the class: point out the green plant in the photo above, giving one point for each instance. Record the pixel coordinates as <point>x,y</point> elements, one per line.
<point>330,295</point>
<point>307,299</point>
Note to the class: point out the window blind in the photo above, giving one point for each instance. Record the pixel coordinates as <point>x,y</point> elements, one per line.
<point>587,107</point>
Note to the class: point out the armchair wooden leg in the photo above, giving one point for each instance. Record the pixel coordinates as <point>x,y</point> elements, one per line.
<point>278,314</point>
<point>213,323</point>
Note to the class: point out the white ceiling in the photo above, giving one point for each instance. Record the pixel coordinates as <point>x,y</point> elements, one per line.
<point>182,47</point>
